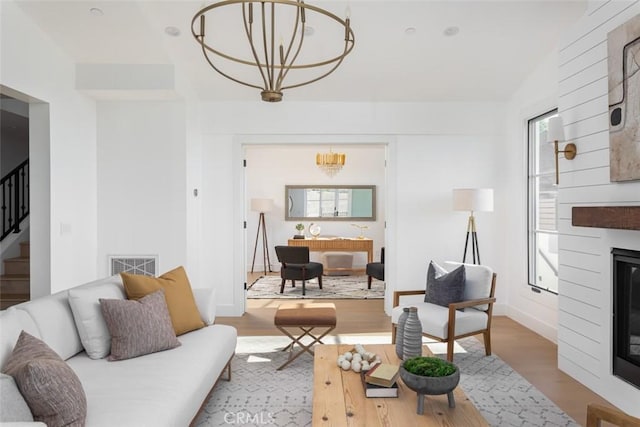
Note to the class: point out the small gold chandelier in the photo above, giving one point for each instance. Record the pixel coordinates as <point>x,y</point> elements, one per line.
<point>331,163</point>
<point>265,64</point>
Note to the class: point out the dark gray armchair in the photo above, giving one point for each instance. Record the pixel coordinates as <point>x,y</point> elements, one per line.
<point>296,266</point>
<point>376,269</point>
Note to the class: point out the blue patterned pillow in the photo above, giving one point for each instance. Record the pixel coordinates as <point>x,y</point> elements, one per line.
<point>444,288</point>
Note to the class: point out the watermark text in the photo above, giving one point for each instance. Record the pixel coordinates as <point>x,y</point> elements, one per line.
<point>247,418</point>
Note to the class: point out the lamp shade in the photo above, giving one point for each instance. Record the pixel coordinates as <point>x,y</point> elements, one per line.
<point>262,205</point>
<point>473,199</point>
<point>555,132</point>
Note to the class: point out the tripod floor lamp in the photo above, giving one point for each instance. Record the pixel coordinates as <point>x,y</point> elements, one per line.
<point>472,200</point>
<point>262,206</point>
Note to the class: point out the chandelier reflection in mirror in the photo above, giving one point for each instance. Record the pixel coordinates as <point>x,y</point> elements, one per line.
<point>269,57</point>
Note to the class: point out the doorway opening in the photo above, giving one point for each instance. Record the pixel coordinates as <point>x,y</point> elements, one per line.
<point>270,169</point>
<point>25,252</point>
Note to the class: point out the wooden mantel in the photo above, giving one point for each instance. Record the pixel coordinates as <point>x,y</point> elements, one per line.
<point>619,217</point>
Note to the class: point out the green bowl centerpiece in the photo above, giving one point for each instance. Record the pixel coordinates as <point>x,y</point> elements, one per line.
<point>430,376</point>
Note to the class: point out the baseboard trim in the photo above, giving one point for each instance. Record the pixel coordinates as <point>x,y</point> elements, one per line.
<point>537,326</point>
<point>228,310</point>
<point>500,310</point>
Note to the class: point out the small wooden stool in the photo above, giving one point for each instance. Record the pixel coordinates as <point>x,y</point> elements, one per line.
<point>306,316</point>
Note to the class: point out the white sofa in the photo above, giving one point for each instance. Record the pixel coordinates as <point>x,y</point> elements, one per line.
<point>159,389</point>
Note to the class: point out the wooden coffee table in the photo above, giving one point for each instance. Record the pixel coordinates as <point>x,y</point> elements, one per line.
<point>339,400</point>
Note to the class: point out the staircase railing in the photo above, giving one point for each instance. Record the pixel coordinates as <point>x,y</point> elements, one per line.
<point>14,190</point>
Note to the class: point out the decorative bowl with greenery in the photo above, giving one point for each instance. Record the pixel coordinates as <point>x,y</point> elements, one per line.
<point>300,226</point>
<point>429,366</point>
<point>428,375</point>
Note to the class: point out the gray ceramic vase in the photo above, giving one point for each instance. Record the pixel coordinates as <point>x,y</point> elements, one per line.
<point>431,386</point>
<point>412,335</point>
<point>400,332</point>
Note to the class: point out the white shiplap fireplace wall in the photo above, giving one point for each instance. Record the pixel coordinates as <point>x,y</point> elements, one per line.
<point>585,300</point>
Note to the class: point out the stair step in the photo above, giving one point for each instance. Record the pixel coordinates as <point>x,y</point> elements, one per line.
<point>8,301</point>
<point>15,277</point>
<point>14,285</point>
<point>25,249</point>
<point>18,265</point>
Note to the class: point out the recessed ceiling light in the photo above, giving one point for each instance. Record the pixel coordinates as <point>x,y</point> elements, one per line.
<point>96,11</point>
<point>172,31</point>
<point>451,31</point>
<point>410,31</point>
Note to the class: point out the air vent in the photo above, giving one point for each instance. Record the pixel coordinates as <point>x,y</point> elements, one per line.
<point>134,264</point>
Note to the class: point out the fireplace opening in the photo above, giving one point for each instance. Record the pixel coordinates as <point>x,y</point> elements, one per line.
<point>626,315</point>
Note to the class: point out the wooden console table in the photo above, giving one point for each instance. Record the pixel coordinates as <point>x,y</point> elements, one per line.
<point>339,400</point>
<point>337,244</point>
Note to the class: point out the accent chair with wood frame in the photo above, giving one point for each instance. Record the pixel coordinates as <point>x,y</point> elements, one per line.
<point>471,316</point>
<point>296,266</point>
<point>597,413</point>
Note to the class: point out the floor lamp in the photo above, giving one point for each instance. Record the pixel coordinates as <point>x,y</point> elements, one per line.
<point>262,206</point>
<point>472,200</point>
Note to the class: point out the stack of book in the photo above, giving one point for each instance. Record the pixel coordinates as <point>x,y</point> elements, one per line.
<point>380,380</point>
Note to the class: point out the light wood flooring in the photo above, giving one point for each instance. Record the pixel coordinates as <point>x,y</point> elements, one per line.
<point>531,355</point>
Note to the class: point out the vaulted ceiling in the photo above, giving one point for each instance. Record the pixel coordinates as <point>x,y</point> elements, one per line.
<point>401,51</point>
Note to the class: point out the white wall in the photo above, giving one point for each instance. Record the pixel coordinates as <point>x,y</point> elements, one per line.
<point>579,318</point>
<point>271,167</point>
<point>62,151</point>
<point>428,168</point>
<point>40,230</point>
<point>585,302</point>
<point>432,149</point>
<point>142,182</point>
<point>537,95</point>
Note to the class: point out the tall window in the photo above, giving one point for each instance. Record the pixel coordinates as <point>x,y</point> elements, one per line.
<point>542,207</point>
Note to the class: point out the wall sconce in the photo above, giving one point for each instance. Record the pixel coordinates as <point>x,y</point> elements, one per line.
<point>555,134</point>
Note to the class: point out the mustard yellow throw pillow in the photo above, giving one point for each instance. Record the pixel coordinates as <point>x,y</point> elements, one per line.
<point>184,313</point>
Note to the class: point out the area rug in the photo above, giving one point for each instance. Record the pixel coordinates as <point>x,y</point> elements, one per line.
<point>333,287</point>
<point>259,395</point>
